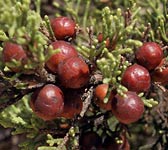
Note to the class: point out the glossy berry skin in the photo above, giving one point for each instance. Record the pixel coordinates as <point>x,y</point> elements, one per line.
<point>136,78</point>
<point>100,93</point>
<point>73,73</point>
<point>12,51</point>
<point>48,102</point>
<point>127,109</point>
<point>66,51</point>
<point>72,104</point>
<point>160,74</point>
<point>63,27</point>
<point>149,55</point>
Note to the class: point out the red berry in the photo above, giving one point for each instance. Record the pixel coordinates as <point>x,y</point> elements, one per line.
<point>47,102</point>
<point>149,55</point>
<point>11,52</point>
<point>136,78</point>
<point>66,51</point>
<point>127,109</point>
<point>100,93</point>
<point>63,27</point>
<point>73,73</point>
<point>72,104</point>
<point>160,74</point>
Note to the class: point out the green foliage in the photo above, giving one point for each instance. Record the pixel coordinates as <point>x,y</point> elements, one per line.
<point>156,13</point>
<point>120,31</point>
<point>20,116</point>
<point>20,24</point>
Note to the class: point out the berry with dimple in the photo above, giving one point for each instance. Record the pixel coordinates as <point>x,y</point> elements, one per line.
<point>160,74</point>
<point>12,51</point>
<point>63,27</point>
<point>47,102</point>
<point>73,73</point>
<point>136,78</point>
<point>127,109</point>
<point>72,104</point>
<point>66,51</point>
<point>100,93</point>
<point>149,55</point>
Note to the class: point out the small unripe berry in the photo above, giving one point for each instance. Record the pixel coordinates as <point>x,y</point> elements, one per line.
<point>100,93</point>
<point>100,39</point>
<point>48,102</point>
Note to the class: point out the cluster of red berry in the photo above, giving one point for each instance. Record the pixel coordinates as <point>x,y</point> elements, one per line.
<point>73,73</point>
<point>137,78</point>
<point>49,101</point>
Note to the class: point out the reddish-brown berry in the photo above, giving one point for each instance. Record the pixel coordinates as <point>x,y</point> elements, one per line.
<point>149,55</point>
<point>100,93</point>
<point>89,141</point>
<point>160,74</point>
<point>63,27</point>
<point>127,109</point>
<point>136,78</point>
<point>73,73</point>
<point>12,51</point>
<point>47,102</point>
<point>66,51</point>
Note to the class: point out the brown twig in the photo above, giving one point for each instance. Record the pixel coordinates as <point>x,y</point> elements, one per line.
<point>146,32</point>
<point>87,100</point>
<point>56,132</point>
<point>127,16</point>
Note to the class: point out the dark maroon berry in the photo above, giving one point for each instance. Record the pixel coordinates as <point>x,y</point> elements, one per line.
<point>47,102</point>
<point>110,143</point>
<point>73,73</point>
<point>127,109</point>
<point>160,74</point>
<point>89,141</point>
<point>72,104</point>
<point>12,51</point>
<point>136,78</point>
<point>66,51</point>
<point>63,27</point>
<point>149,55</point>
